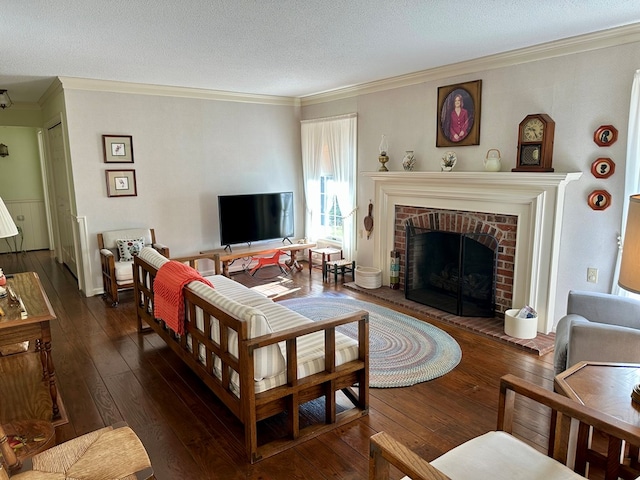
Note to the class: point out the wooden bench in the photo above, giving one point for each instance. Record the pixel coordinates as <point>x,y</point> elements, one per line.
<point>212,334</point>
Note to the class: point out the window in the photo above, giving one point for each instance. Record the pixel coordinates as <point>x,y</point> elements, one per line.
<point>329,168</point>
<point>330,215</point>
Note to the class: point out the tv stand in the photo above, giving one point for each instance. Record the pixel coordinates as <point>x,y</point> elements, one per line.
<point>226,257</point>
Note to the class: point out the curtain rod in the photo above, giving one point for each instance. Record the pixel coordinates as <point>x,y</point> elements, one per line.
<point>326,119</point>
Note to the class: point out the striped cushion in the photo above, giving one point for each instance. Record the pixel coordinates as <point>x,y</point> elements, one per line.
<point>310,347</point>
<point>237,291</point>
<point>268,361</point>
<point>151,256</point>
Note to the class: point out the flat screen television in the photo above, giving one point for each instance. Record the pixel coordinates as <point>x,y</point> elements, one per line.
<point>255,217</point>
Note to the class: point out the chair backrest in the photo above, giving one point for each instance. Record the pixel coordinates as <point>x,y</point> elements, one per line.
<point>108,239</point>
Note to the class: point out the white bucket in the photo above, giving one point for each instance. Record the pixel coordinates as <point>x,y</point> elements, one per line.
<point>368,277</point>
<point>525,328</point>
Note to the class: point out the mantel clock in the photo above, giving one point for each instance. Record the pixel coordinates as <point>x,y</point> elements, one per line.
<point>535,144</point>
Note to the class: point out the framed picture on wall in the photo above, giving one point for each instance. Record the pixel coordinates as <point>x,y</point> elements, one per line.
<point>603,168</point>
<point>121,183</point>
<point>605,135</point>
<point>458,122</point>
<point>599,199</point>
<point>117,148</point>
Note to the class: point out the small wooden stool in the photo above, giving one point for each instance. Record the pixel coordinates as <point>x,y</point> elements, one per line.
<point>326,253</point>
<point>341,266</point>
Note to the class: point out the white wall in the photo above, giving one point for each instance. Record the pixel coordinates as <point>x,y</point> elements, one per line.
<point>580,92</point>
<point>186,152</point>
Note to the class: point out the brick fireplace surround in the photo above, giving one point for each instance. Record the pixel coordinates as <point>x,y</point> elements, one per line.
<point>535,200</point>
<point>502,227</point>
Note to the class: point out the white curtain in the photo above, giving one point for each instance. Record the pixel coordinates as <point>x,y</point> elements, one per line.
<point>311,171</point>
<point>339,134</point>
<point>632,173</point>
<point>341,140</point>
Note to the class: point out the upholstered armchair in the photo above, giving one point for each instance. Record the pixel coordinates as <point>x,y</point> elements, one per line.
<point>117,249</point>
<point>598,327</point>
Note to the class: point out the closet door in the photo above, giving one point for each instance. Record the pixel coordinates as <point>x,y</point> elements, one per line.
<point>66,245</point>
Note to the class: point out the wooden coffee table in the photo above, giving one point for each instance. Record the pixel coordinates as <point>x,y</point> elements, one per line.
<point>606,387</point>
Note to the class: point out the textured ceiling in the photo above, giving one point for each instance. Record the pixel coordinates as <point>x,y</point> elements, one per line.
<point>287,47</point>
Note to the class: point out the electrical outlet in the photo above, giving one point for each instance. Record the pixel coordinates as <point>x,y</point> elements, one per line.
<point>20,218</point>
<point>592,275</point>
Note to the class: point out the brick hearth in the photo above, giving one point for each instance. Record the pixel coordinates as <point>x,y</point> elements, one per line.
<point>490,327</point>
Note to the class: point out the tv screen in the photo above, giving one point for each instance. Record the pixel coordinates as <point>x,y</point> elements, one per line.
<point>255,217</point>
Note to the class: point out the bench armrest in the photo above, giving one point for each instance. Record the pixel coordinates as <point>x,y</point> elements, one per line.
<point>162,249</point>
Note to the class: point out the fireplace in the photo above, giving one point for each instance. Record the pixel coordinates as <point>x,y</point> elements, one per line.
<point>536,200</point>
<point>502,228</point>
<point>453,272</point>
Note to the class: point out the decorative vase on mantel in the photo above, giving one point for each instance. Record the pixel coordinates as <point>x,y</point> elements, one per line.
<point>409,161</point>
<point>448,161</point>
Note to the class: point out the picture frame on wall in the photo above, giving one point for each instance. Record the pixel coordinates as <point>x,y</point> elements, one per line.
<point>599,199</point>
<point>121,183</point>
<point>603,167</point>
<point>458,122</point>
<point>117,148</point>
<point>605,135</point>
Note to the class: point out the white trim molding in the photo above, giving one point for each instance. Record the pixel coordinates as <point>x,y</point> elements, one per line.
<point>537,199</point>
<point>565,46</point>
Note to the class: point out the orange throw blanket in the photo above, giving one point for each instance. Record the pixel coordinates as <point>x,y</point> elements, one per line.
<point>168,301</point>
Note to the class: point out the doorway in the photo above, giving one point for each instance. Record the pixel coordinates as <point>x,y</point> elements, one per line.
<point>65,244</point>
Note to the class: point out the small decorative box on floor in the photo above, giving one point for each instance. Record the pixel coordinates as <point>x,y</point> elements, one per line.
<point>368,277</point>
<point>518,327</point>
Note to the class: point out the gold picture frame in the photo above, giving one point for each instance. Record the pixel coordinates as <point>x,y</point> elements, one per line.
<point>458,124</point>
<point>117,148</point>
<point>121,183</point>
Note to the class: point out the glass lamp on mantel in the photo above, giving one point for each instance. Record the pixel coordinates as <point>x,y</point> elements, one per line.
<point>383,158</point>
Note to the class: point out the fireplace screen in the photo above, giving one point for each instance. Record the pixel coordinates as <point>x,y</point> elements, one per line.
<point>454,272</point>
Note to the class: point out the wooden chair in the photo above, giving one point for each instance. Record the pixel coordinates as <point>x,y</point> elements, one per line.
<point>113,452</point>
<point>117,272</point>
<point>500,454</point>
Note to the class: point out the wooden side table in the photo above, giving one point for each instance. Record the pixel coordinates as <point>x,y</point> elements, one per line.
<point>606,387</point>
<point>34,327</point>
<point>326,253</point>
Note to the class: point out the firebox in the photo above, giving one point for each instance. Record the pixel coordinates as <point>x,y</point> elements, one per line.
<point>450,271</point>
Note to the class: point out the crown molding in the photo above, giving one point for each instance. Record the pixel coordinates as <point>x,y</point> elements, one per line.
<point>54,89</point>
<point>73,83</point>
<point>566,46</point>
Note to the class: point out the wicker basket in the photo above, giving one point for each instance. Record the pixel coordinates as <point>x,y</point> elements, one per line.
<point>368,277</point>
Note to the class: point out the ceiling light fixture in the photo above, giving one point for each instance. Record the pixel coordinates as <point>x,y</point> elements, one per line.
<point>5,101</point>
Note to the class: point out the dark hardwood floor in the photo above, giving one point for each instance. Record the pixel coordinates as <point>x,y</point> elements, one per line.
<point>108,372</point>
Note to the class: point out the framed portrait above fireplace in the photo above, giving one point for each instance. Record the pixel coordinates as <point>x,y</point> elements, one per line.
<point>459,114</point>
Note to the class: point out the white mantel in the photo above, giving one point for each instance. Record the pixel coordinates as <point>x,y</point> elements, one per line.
<point>537,199</point>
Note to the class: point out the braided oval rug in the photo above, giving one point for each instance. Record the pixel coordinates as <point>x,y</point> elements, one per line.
<point>403,351</point>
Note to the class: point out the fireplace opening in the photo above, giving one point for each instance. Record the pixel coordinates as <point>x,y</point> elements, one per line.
<point>454,272</point>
